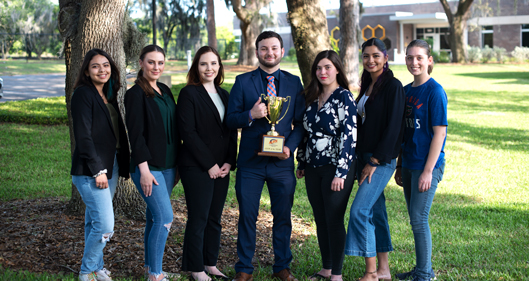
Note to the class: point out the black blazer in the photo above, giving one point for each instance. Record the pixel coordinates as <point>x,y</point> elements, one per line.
<point>206,140</point>
<point>95,141</point>
<point>382,132</point>
<point>145,125</point>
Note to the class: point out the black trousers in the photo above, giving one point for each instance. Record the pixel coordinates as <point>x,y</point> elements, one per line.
<point>329,209</point>
<point>205,199</point>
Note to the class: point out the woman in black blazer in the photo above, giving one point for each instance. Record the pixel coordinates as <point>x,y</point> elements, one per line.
<point>101,154</point>
<point>380,107</point>
<point>153,136</point>
<point>206,157</point>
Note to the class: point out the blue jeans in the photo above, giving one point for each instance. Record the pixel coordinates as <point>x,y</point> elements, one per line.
<point>99,218</point>
<point>419,204</point>
<point>368,230</point>
<point>159,216</point>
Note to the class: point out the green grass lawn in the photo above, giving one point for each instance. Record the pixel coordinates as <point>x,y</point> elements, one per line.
<point>480,215</point>
<point>21,67</point>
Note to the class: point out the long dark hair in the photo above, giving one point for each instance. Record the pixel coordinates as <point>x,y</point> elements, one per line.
<point>315,88</point>
<point>194,78</point>
<point>142,81</point>
<point>365,80</point>
<point>111,87</point>
<point>422,44</point>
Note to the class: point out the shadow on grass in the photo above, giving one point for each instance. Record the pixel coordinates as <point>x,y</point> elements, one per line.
<point>495,138</point>
<point>519,77</point>
<point>486,101</point>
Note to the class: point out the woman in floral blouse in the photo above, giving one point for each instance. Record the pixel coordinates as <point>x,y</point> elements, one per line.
<point>326,157</point>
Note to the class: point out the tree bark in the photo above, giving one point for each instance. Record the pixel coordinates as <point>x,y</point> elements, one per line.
<point>80,23</point>
<point>458,23</point>
<point>310,33</point>
<point>212,32</point>
<point>249,17</point>
<point>349,27</point>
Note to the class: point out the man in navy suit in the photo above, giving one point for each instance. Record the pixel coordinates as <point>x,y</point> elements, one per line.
<point>247,111</point>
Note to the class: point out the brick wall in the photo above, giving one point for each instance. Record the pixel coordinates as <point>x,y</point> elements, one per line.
<point>507,36</point>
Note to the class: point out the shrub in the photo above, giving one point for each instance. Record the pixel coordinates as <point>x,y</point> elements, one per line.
<point>42,111</point>
<point>444,57</point>
<point>499,53</point>
<point>435,55</point>
<point>292,54</point>
<point>486,54</point>
<point>474,54</point>
<point>520,54</point>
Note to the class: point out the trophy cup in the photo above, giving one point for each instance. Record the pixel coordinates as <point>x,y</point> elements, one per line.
<point>272,142</point>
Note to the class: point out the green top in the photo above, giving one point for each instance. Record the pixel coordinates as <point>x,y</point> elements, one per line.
<point>168,111</point>
<point>115,117</point>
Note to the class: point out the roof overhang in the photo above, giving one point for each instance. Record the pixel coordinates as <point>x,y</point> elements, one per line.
<point>410,18</point>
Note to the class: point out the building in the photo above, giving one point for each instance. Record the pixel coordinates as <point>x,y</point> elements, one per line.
<point>502,23</point>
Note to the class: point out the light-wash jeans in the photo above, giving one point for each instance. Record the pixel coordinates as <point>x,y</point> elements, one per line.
<point>419,204</point>
<point>99,218</point>
<point>159,217</point>
<point>368,230</point>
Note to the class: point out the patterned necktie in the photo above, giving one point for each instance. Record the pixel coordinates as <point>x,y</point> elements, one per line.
<point>271,87</point>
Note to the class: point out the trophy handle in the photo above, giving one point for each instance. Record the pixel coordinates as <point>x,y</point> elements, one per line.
<point>263,98</point>
<point>288,98</point>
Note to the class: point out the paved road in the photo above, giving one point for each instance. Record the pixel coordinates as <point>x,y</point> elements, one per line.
<point>23,87</point>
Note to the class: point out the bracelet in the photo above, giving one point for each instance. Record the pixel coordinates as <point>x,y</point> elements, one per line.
<point>372,164</point>
<point>250,115</point>
<point>104,171</point>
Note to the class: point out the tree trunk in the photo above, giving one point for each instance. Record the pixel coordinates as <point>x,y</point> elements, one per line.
<point>250,18</point>
<point>458,21</point>
<point>80,24</point>
<point>457,37</point>
<point>310,33</point>
<point>349,26</point>
<point>212,32</point>
<point>247,51</point>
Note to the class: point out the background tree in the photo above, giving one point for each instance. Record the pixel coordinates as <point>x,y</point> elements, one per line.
<point>34,20</point>
<point>250,27</point>
<point>308,22</point>
<point>458,23</point>
<point>210,20</point>
<point>349,27</point>
<point>80,24</point>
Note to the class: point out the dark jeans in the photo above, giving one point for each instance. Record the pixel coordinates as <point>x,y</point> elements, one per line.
<point>205,199</point>
<point>329,209</point>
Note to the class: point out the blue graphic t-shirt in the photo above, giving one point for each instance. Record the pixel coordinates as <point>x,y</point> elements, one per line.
<point>426,107</point>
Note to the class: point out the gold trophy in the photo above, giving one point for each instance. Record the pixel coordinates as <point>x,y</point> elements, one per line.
<point>272,142</point>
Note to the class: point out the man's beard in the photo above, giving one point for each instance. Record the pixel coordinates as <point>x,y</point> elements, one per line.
<point>263,62</point>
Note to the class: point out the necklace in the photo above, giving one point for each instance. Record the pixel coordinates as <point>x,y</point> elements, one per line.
<point>321,100</point>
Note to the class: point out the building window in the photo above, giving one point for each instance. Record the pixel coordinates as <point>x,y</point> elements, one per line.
<point>525,35</point>
<point>486,36</point>
<point>445,37</point>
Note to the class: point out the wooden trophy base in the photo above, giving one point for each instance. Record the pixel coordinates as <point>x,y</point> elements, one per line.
<point>273,154</point>
<point>272,146</point>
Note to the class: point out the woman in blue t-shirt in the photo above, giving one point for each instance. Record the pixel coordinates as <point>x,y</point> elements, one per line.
<point>421,164</point>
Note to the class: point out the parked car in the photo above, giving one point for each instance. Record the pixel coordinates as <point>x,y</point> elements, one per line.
<point>1,88</point>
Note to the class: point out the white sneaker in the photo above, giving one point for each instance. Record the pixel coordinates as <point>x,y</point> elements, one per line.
<point>103,275</point>
<point>87,277</point>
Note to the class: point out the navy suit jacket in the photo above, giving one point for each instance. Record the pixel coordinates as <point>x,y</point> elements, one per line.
<point>244,94</point>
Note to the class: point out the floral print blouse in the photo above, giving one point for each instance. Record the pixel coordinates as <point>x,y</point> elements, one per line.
<point>330,133</point>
